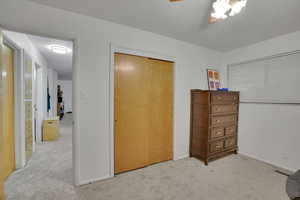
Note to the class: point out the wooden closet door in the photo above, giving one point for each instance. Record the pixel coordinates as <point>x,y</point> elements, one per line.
<point>7,112</point>
<point>132,116</point>
<point>1,120</point>
<point>161,108</point>
<point>143,111</point>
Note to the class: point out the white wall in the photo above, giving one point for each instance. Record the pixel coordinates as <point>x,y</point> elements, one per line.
<point>24,42</point>
<point>66,87</point>
<point>269,132</point>
<point>91,75</point>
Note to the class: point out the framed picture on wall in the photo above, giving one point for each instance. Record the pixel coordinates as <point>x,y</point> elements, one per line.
<point>213,78</point>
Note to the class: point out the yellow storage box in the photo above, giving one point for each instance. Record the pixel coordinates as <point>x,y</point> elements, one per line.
<point>51,129</point>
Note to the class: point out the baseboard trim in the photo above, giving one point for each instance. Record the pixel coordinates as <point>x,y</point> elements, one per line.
<point>85,182</point>
<point>181,157</point>
<point>267,162</point>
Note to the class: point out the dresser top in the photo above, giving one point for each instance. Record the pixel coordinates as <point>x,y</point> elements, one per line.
<point>213,91</point>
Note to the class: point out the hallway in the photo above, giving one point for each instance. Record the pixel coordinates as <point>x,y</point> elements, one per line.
<point>49,173</point>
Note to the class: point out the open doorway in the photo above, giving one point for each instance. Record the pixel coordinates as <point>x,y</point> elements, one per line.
<point>43,118</point>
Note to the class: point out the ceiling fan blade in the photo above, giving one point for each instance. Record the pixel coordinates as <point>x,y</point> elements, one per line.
<point>175,0</point>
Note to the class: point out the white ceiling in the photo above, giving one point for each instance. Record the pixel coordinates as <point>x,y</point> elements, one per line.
<point>187,20</point>
<point>62,63</point>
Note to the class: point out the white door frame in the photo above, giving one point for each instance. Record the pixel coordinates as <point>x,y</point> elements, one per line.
<point>19,106</point>
<point>119,49</point>
<point>39,92</point>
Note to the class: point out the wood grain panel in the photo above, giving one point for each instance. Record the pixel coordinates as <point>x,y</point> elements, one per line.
<point>161,111</point>
<point>1,120</point>
<point>214,124</point>
<point>219,109</point>
<point>224,97</point>
<point>216,146</point>
<point>231,130</point>
<point>143,110</point>
<point>217,132</point>
<point>132,114</point>
<point>231,142</point>
<point>1,191</point>
<point>7,111</point>
<point>223,120</point>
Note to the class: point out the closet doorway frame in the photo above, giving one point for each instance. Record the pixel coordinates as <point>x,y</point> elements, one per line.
<point>114,48</point>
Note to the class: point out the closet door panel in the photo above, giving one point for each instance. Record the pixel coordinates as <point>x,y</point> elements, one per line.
<point>7,112</point>
<point>161,108</point>
<point>143,112</point>
<point>132,114</point>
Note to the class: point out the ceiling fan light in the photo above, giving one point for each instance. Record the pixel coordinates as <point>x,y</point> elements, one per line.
<point>221,7</point>
<point>237,7</point>
<point>224,8</point>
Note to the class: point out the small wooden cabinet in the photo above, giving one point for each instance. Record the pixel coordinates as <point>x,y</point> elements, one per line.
<point>51,129</point>
<point>214,124</point>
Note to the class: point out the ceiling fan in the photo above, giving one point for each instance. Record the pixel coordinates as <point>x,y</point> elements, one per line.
<point>222,9</point>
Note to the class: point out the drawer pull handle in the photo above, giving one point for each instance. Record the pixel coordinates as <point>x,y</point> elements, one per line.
<point>218,146</point>
<point>219,98</point>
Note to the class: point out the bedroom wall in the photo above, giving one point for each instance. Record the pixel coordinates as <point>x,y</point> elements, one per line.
<point>91,75</point>
<point>269,132</point>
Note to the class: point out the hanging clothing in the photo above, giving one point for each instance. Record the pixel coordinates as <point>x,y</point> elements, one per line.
<point>48,100</point>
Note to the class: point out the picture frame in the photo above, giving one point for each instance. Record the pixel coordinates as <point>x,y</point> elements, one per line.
<point>213,79</point>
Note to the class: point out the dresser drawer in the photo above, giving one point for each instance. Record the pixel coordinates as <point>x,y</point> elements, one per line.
<point>216,146</point>
<point>220,120</point>
<point>216,109</point>
<point>223,98</point>
<point>231,142</point>
<point>230,130</point>
<point>216,133</point>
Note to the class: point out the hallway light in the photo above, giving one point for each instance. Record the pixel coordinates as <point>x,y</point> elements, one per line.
<point>59,49</point>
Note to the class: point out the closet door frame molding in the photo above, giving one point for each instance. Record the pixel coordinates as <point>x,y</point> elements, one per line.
<point>19,106</point>
<point>114,48</point>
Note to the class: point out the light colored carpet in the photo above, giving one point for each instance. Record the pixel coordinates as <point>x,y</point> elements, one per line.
<point>49,177</point>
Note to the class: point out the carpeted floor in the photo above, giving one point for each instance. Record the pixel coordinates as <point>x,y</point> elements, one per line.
<point>49,177</point>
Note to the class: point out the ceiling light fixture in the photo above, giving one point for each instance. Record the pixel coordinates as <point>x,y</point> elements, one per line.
<point>224,8</point>
<point>59,49</point>
<point>4,74</point>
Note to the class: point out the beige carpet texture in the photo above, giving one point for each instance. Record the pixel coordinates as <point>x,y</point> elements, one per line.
<point>48,176</point>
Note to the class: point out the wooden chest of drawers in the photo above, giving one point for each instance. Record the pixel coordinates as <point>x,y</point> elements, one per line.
<point>214,124</point>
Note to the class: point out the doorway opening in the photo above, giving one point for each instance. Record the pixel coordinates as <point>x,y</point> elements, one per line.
<point>42,112</point>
